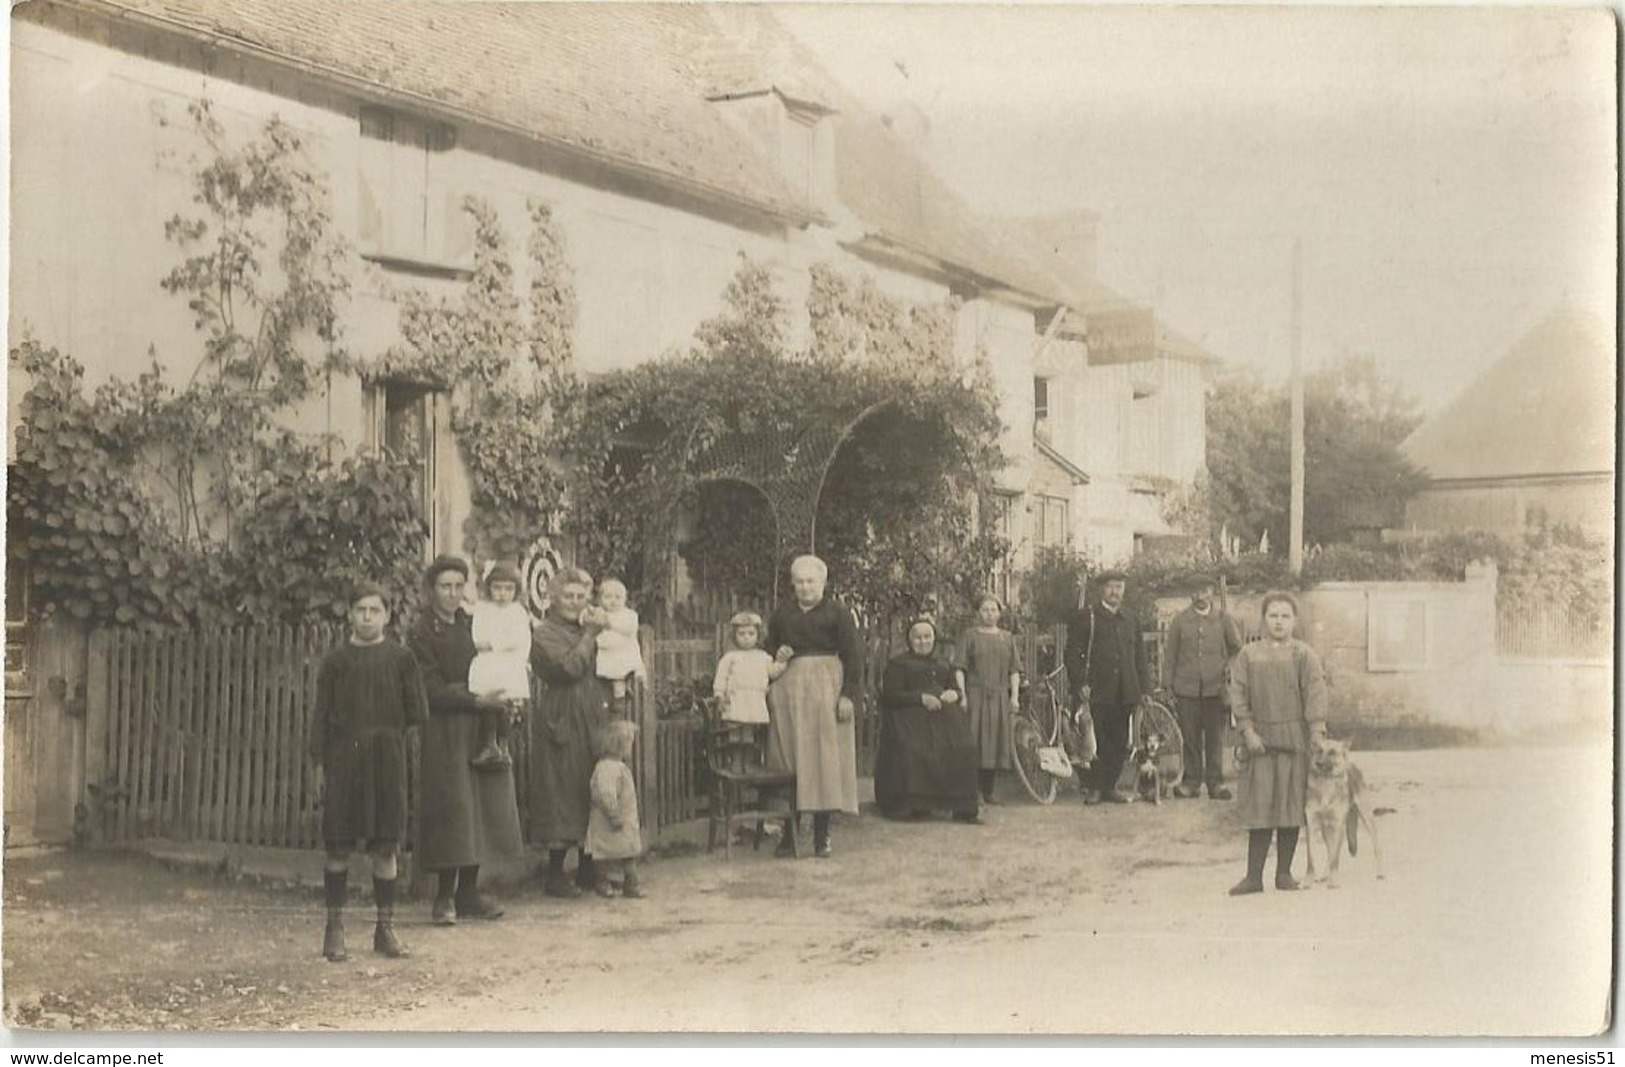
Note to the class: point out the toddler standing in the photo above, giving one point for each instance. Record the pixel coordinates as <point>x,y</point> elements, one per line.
<point>501,668</point>
<point>744,672</point>
<point>368,694</point>
<point>614,837</point>
<point>619,657</point>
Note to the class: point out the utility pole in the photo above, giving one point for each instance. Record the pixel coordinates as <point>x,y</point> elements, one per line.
<point>1295,538</point>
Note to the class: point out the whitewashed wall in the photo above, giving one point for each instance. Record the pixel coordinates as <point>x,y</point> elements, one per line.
<point>96,174</point>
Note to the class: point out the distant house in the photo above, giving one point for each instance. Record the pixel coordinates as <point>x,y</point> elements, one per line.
<point>1531,441</point>
<point>1117,392</point>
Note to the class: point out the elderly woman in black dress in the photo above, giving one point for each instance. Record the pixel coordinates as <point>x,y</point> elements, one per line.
<point>811,706</point>
<point>468,818</point>
<point>573,704</point>
<point>928,757</point>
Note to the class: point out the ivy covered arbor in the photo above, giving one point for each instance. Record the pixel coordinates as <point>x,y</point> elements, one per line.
<point>873,459</point>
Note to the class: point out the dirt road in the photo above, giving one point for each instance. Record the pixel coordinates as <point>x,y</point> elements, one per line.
<point>1494,918</point>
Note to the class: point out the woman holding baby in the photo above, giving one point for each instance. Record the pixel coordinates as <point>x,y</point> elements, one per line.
<point>573,705</point>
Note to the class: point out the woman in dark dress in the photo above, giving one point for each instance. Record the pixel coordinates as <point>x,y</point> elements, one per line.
<point>573,704</point>
<point>468,817</point>
<point>810,707</point>
<point>928,756</point>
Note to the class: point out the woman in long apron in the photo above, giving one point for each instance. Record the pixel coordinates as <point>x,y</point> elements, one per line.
<point>812,704</point>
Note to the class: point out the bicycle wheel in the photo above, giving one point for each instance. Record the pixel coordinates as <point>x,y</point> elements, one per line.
<point>1024,745</point>
<point>1155,718</point>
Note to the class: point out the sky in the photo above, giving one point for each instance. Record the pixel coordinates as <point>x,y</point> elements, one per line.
<point>1449,172</point>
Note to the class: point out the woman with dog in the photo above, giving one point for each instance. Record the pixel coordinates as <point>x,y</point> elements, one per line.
<point>1278,696</point>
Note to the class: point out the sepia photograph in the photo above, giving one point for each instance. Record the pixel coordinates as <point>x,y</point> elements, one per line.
<point>809,521</point>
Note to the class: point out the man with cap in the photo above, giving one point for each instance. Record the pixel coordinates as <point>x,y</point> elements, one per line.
<point>1201,640</point>
<point>1105,660</point>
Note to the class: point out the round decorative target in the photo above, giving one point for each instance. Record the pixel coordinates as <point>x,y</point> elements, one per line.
<point>542,562</point>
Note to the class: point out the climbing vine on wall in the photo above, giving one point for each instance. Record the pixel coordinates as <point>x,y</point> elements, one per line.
<point>172,498</point>
<point>507,372</point>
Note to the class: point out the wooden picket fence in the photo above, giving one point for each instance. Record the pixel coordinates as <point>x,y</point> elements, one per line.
<point>204,736</point>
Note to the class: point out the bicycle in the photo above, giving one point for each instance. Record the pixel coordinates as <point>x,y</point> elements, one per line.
<point>1044,721</point>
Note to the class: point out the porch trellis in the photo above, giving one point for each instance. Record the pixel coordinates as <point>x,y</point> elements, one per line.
<point>787,463</point>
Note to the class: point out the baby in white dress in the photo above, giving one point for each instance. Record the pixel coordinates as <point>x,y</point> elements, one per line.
<point>619,657</point>
<point>501,665</point>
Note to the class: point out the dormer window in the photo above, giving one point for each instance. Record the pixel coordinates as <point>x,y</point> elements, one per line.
<point>796,134</point>
<point>1040,399</point>
<point>807,153</point>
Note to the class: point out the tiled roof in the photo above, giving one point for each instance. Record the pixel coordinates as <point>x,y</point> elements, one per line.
<point>625,84</point>
<point>611,81</point>
<point>879,177</point>
<point>1545,408</point>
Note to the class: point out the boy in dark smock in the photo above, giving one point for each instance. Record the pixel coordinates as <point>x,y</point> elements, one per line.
<point>368,694</point>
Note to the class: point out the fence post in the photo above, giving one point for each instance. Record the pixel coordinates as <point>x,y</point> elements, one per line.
<point>646,715</point>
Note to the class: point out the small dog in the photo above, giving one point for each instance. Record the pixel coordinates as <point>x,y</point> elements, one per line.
<point>1335,808</point>
<point>1147,775</point>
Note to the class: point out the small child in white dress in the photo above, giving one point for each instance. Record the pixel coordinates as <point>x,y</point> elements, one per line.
<point>619,657</point>
<point>501,665</point>
<point>744,672</point>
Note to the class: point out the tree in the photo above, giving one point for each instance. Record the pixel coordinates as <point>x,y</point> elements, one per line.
<point>1354,473</point>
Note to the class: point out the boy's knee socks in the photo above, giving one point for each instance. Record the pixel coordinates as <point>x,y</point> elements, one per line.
<point>334,885</point>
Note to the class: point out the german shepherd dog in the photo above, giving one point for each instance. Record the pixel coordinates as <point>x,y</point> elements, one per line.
<point>1336,808</point>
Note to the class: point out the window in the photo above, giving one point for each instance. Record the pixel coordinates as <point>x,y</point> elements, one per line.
<point>1050,521</point>
<point>1040,398</point>
<point>1396,632</point>
<point>408,214</point>
<point>406,421</point>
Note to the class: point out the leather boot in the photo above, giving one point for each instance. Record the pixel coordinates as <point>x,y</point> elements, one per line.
<point>586,871</point>
<point>821,845</point>
<point>384,941</point>
<point>1258,847</point>
<point>557,884</point>
<point>629,885</point>
<point>1286,847</point>
<point>334,886</point>
<point>444,910</point>
<point>470,904</point>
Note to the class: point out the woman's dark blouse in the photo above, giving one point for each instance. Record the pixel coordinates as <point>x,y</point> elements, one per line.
<point>444,650</point>
<point>909,676</point>
<point>827,628</point>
